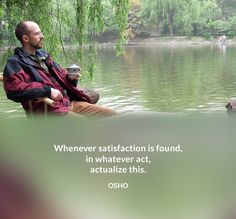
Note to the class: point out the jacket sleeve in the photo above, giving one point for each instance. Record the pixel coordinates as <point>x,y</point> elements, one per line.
<point>18,85</point>
<point>74,83</point>
<point>72,91</point>
<point>63,72</point>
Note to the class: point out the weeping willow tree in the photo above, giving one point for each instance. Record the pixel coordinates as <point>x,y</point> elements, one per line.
<point>90,22</point>
<point>35,10</point>
<point>80,19</point>
<point>160,12</point>
<point>167,9</point>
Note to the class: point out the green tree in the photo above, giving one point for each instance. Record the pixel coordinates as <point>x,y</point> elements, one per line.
<point>232,24</point>
<point>188,17</point>
<point>228,8</point>
<point>70,20</point>
<point>161,12</point>
<point>152,13</point>
<point>170,9</point>
<point>210,12</point>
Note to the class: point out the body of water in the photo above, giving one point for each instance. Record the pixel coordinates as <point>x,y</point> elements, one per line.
<point>159,78</point>
<point>170,80</point>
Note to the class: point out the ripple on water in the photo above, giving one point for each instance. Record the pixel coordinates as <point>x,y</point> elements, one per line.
<point>11,111</point>
<point>123,103</point>
<point>135,91</point>
<point>191,109</point>
<point>159,78</point>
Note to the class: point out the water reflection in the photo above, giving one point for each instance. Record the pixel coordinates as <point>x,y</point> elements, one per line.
<point>170,79</point>
<point>160,78</point>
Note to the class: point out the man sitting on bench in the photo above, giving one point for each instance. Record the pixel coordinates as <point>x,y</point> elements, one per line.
<point>31,74</point>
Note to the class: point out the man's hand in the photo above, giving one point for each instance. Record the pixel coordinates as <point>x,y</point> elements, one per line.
<point>73,76</point>
<point>56,94</point>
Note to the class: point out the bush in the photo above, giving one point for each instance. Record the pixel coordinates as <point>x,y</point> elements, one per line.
<point>207,35</point>
<point>231,34</point>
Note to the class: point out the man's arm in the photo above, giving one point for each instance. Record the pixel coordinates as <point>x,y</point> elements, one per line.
<point>18,86</point>
<point>61,74</point>
<point>72,80</point>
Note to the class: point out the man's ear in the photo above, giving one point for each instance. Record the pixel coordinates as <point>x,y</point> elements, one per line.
<point>25,38</point>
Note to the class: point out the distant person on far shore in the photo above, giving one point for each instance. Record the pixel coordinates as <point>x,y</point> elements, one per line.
<point>222,40</point>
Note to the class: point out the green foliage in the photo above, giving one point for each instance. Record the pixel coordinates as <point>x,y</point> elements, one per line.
<point>231,34</point>
<point>217,26</point>
<point>81,22</point>
<point>121,10</point>
<point>210,11</point>
<point>207,35</point>
<point>232,23</point>
<point>67,20</point>
<point>95,16</point>
<point>149,11</point>
<point>37,10</point>
<point>189,17</point>
<point>1,12</point>
<point>228,8</point>
<point>90,22</point>
<point>81,15</point>
<point>175,14</point>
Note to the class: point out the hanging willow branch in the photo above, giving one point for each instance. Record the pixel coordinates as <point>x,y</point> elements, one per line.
<point>90,23</point>
<point>60,27</point>
<point>81,14</point>
<point>95,26</point>
<point>39,11</point>
<point>95,16</point>
<point>49,15</point>
<point>121,8</point>
<point>81,20</point>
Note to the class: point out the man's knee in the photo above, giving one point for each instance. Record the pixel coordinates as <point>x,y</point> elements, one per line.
<point>91,110</point>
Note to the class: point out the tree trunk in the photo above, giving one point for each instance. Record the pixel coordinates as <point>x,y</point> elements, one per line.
<point>171,21</point>
<point>195,29</point>
<point>159,28</point>
<point>171,29</point>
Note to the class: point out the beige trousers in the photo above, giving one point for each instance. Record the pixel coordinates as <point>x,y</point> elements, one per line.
<point>90,110</point>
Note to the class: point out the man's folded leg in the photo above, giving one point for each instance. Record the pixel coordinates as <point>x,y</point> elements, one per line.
<point>91,110</point>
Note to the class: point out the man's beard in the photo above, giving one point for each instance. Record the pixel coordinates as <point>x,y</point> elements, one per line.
<point>37,46</point>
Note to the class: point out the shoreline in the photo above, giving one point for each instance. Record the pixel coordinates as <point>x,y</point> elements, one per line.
<point>181,40</point>
<point>161,41</point>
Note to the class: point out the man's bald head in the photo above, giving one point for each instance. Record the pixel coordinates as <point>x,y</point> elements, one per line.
<point>23,29</point>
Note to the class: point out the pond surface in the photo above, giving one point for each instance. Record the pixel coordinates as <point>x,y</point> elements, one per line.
<point>159,78</point>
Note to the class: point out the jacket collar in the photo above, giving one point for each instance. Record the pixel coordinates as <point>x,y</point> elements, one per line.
<point>25,57</point>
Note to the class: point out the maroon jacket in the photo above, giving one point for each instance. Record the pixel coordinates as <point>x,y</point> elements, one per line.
<point>25,80</point>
